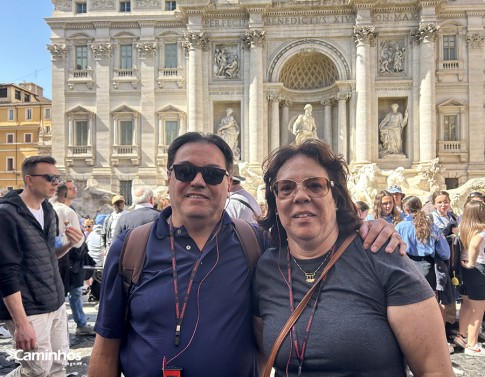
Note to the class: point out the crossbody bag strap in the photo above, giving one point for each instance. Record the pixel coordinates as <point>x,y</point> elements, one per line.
<point>301,306</point>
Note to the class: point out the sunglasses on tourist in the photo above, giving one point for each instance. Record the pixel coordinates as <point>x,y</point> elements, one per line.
<point>187,173</point>
<point>48,177</point>
<point>313,186</point>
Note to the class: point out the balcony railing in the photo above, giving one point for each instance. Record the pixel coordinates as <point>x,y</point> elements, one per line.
<point>80,76</point>
<point>80,154</point>
<point>125,152</point>
<point>171,75</point>
<point>450,68</point>
<point>125,75</point>
<point>452,147</point>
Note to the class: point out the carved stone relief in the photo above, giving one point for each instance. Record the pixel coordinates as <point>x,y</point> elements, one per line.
<point>147,3</point>
<point>195,40</point>
<point>226,63</point>
<point>425,33</point>
<point>58,51</point>
<point>101,50</point>
<point>365,34</point>
<point>392,57</point>
<point>253,38</point>
<point>475,40</point>
<point>147,49</point>
<point>103,4</point>
<point>62,4</point>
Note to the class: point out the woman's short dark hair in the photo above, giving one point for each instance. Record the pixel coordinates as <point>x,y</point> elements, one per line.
<point>347,217</point>
<point>363,206</point>
<point>201,138</point>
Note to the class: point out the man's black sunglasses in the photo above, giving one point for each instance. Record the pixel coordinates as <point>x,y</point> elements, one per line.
<point>48,177</point>
<point>187,173</point>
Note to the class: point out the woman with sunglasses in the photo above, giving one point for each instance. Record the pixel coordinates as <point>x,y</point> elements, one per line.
<point>369,312</point>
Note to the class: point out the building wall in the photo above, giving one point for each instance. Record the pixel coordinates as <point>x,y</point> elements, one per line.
<point>368,57</point>
<point>25,122</point>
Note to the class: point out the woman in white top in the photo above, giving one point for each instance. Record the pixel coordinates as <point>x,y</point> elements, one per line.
<point>472,234</point>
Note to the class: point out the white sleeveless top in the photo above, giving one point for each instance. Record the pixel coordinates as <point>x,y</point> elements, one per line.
<point>481,253</point>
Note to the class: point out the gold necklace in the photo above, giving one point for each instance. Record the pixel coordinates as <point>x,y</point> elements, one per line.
<point>310,276</point>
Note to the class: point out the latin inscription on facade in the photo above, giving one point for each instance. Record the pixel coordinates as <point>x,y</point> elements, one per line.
<point>394,17</point>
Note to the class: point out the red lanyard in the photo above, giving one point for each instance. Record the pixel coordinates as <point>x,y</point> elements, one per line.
<point>180,313</point>
<point>300,353</point>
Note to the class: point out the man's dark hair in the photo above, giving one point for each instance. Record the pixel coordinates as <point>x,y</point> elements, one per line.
<point>30,163</point>
<point>61,191</point>
<point>198,137</point>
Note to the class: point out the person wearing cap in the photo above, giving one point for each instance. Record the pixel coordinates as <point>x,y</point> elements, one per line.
<point>107,234</point>
<point>241,204</point>
<point>398,196</point>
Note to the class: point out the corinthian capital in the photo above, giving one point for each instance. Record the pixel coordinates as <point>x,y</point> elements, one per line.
<point>475,40</point>
<point>365,34</point>
<point>425,33</point>
<point>253,38</point>
<point>342,96</point>
<point>195,40</point>
<point>58,51</point>
<point>101,50</point>
<point>147,49</point>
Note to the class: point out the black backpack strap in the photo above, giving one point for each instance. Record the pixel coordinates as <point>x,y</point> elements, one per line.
<point>133,254</point>
<point>243,202</point>
<point>249,241</point>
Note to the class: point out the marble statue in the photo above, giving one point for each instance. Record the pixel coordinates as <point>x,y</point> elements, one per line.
<point>304,127</point>
<point>228,129</point>
<point>390,132</point>
<point>363,184</point>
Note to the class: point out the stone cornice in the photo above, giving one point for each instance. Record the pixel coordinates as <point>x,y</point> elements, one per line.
<point>102,24</point>
<point>430,3</point>
<point>226,15</point>
<point>148,23</point>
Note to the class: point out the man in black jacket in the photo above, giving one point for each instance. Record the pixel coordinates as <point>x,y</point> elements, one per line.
<point>143,213</point>
<point>31,287</point>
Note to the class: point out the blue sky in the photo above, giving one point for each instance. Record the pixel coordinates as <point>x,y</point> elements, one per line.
<point>25,34</point>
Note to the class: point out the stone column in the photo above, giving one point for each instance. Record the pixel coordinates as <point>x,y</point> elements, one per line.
<point>342,138</point>
<point>364,36</point>
<point>144,131</point>
<point>475,96</point>
<point>102,51</point>
<point>285,119</point>
<point>274,100</point>
<point>71,131</point>
<point>58,53</point>
<point>327,125</point>
<point>253,41</point>
<point>194,43</point>
<point>426,36</point>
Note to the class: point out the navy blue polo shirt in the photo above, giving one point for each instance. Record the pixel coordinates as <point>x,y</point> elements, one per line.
<point>216,337</point>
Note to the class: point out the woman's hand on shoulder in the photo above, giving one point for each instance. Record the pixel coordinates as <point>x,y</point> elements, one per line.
<point>376,233</point>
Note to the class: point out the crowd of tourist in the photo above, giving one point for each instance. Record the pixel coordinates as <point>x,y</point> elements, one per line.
<point>336,270</point>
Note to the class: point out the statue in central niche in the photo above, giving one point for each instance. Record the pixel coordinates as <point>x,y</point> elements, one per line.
<point>304,127</point>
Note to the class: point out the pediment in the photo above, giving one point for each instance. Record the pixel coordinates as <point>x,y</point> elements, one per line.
<point>452,103</point>
<point>124,109</point>
<point>171,109</point>
<point>80,109</point>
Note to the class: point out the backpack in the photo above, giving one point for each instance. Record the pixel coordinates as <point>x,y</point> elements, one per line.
<point>132,256</point>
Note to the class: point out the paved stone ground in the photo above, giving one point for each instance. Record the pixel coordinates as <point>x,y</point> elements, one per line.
<point>81,346</point>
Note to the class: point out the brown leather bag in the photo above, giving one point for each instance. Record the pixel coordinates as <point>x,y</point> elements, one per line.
<point>301,306</point>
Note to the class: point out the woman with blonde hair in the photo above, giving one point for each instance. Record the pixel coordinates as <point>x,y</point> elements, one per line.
<point>472,235</point>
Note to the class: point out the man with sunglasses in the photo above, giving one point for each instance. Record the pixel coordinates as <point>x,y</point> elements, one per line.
<point>31,287</point>
<point>190,314</point>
